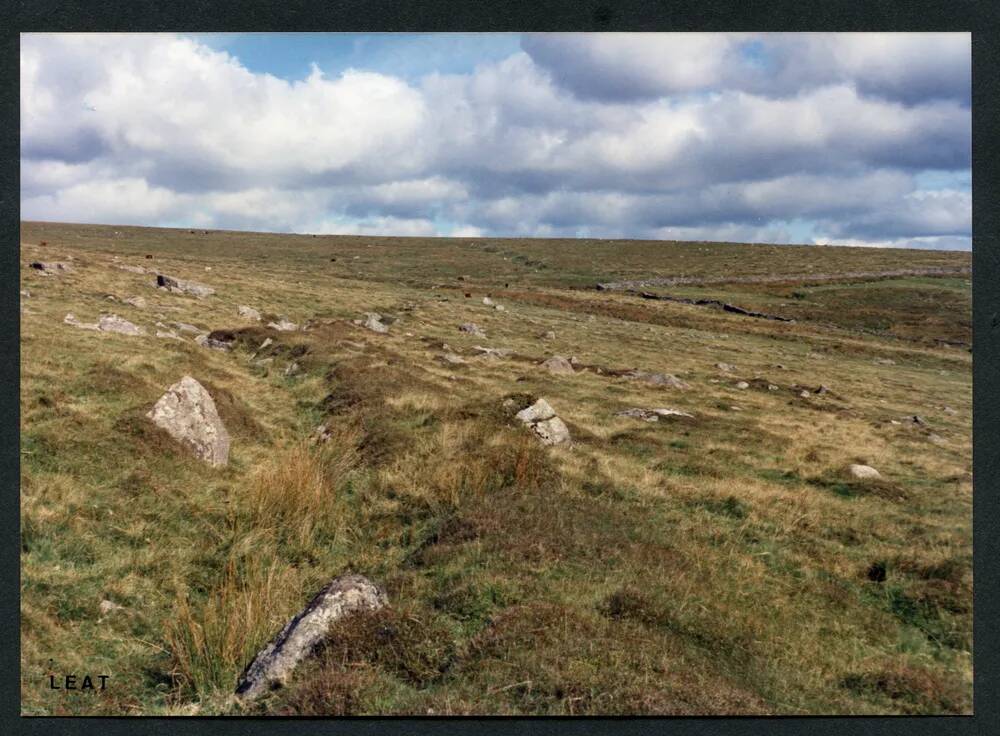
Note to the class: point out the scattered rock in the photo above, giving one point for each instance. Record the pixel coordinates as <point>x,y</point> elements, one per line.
<point>137,302</point>
<point>283,325</point>
<point>293,369</point>
<point>472,328</point>
<point>131,269</point>
<point>453,359</point>
<point>487,301</point>
<point>114,323</point>
<point>169,334</point>
<point>70,319</point>
<point>25,293</point>
<point>726,367</point>
<point>916,419</point>
<point>248,312</point>
<point>949,410</point>
<point>652,415</point>
<point>656,379</point>
<point>550,335</point>
<point>742,385</point>
<point>558,366</point>
<point>499,307</point>
<point>185,327</point>
<point>373,322</point>
<point>821,390</point>
<point>300,637</point>
<point>772,387</point>
<point>180,286</point>
<point>804,394</point>
<point>491,352</point>
<point>107,607</point>
<point>863,472</point>
<point>207,341</point>
<point>543,420</point>
<point>187,413</point>
<point>50,268</point>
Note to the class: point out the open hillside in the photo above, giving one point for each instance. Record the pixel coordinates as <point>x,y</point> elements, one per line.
<point>718,560</point>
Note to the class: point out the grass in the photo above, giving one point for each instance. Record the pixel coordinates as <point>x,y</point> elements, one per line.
<point>715,565</point>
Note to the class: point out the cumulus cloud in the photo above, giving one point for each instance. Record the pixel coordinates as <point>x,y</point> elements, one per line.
<point>701,136</point>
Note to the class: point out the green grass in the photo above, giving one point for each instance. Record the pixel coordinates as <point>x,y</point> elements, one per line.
<point>714,565</point>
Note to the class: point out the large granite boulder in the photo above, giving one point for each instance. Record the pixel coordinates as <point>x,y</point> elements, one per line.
<point>301,637</point>
<point>187,413</point>
<point>542,419</point>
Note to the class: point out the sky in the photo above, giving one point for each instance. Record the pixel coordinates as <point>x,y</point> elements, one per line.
<point>845,139</point>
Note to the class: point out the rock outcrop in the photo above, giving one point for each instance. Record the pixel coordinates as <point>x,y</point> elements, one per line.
<point>373,322</point>
<point>652,415</point>
<point>188,414</point>
<point>274,664</point>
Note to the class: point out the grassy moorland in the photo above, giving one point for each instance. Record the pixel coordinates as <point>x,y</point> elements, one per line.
<point>719,564</point>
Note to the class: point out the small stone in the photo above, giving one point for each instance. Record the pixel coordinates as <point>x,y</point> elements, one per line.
<point>726,367</point>
<point>292,369</point>
<point>137,302</point>
<point>863,472</point>
<point>742,385</point>
<point>559,366</point>
<point>210,342</point>
<point>472,328</point>
<point>114,323</point>
<point>804,394</point>
<point>248,312</point>
<point>656,379</point>
<point>550,335</point>
<point>373,322</point>
<point>106,607</point>
<point>487,301</point>
<point>537,412</point>
<point>453,359</point>
<point>772,387</point>
<point>283,325</point>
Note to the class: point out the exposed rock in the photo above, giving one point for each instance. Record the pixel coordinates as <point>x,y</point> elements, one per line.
<point>293,369</point>
<point>772,387</point>
<point>472,328</point>
<point>652,415</point>
<point>131,269</point>
<point>537,412</point>
<point>247,312</point>
<point>181,286</point>
<point>885,361</point>
<point>185,327</point>
<point>863,472</point>
<point>804,394</point>
<point>206,341</point>
<point>493,353</point>
<point>656,379</point>
<point>25,293</point>
<point>552,431</point>
<point>283,325</point>
<point>949,410</point>
<point>136,301</point>
<point>543,421</point>
<point>821,390</point>
<point>273,665</point>
<point>187,413</point>
<point>373,322</point>
<point>916,419</point>
<point>499,307</point>
<point>487,301</point>
<point>114,323</point>
<point>169,334</point>
<point>726,367</point>
<point>559,366</point>
<point>550,335</point>
<point>742,385</point>
<point>70,319</point>
<point>453,359</point>
<point>50,268</point>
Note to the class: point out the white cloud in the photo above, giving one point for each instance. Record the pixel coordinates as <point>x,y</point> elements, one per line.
<point>711,136</point>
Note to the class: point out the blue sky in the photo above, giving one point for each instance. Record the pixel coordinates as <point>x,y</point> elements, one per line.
<point>858,139</point>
